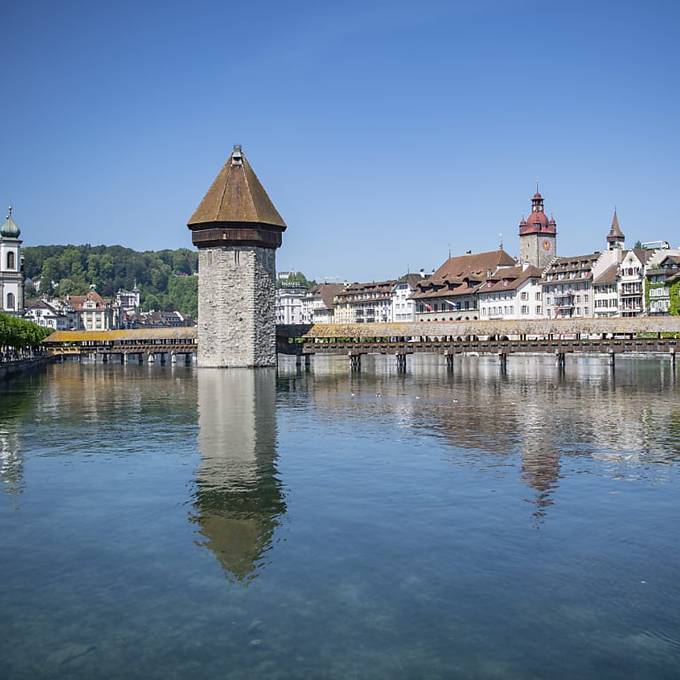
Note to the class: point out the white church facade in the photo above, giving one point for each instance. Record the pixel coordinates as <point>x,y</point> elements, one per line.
<point>11,270</point>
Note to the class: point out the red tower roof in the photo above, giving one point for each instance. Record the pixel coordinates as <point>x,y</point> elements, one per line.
<point>537,221</point>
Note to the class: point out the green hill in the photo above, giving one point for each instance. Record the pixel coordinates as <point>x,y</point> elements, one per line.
<point>166,278</point>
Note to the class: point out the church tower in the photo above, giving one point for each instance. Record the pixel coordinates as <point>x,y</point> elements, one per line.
<point>237,230</point>
<point>11,270</point>
<point>537,235</point>
<point>615,238</point>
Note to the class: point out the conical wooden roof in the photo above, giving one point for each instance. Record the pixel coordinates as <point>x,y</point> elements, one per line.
<point>615,232</point>
<point>237,196</point>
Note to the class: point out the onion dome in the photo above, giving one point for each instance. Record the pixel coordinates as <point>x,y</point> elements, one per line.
<point>9,229</point>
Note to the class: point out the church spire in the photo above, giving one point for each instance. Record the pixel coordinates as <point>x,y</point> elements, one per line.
<point>615,238</point>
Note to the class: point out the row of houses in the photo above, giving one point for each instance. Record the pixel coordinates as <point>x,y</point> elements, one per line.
<point>614,281</point>
<point>92,312</point>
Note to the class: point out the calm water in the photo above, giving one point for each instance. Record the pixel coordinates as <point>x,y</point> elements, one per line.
<point>165,522</point>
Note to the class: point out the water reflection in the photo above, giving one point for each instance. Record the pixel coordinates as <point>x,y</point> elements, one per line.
<point>16,401</point>
<point>11,460</point>
<point>532,413</point>
<point>239,500</point>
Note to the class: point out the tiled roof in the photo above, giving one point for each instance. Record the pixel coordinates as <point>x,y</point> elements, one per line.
<point>380,287</point>
<point>643,254</point>
<point>574,263</point>
<point>608,276</point>
<point>77,301</point>
<point>327,293</point>
<point>237,196</point>
<point>474,263</point>
<point>509,279</point>
<point>463,289</point>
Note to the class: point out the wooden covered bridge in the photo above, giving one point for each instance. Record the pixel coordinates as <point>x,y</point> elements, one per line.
<point>641,335</point>
<point>148,344</point>
<point>648,335</point>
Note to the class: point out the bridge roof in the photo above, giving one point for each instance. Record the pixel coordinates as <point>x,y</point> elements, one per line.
<point>140,334</point>
<point>666,324</point>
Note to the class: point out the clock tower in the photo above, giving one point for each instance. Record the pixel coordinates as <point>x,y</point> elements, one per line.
<point>537,235</point>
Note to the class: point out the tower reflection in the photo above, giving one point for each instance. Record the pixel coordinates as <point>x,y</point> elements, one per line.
<point>239,499</point>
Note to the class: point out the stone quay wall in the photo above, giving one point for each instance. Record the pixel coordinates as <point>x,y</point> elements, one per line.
<point>9,369</point>
<point>236,307</point>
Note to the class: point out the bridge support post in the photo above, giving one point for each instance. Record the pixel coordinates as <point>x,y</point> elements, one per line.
<point>355,362</point>
<point>449,361</point>
<point>612,359</point>
<point>673,359</point>
<point>504,361</point>
<point>560,360</point>
<point>308,362</point>
<point>298,361</point>
<point>163,357</point>
<point>173,358</point>
<point>150,358</point>
<point>401,362</point>
<point>105,358</point>
<point>187,359</point>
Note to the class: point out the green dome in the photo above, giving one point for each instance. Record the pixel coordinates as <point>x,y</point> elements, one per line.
<point>9,228</point>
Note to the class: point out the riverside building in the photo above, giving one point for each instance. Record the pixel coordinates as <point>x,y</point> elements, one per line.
<point>567,286</point>
<point>450,294</point>
<point>511,293</point>
<point>365,302</point>
<point>323,302</point>
<point>662,282</point>
<point>11,268</point>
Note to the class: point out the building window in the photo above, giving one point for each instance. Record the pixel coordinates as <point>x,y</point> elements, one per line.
<point>10,298</point>
<point>11,262</point>
<point>525,309</point>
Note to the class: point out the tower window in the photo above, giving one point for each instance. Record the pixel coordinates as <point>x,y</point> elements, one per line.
<point>10,299</point>
<point>11,261</point>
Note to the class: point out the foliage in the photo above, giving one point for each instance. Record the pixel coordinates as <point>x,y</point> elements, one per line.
<point>164,277</point>
<point>674,308</point>
<point>648,285</point>
<point>295,278</point>
<point>182,294</point>
<point>18,333</point>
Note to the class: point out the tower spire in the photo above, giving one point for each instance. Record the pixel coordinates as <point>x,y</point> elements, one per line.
<point>616,237</point>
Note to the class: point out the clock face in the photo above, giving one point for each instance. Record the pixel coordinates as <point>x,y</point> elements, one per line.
<point>546,244</point>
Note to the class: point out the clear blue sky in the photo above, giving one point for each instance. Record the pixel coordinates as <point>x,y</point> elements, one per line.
<point>384,132</point>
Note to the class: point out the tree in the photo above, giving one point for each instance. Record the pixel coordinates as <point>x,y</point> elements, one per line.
<point>165,277</point>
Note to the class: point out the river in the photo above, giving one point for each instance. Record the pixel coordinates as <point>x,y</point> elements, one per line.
<point>169,522</point>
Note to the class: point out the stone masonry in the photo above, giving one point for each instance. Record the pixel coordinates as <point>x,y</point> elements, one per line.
<point>236,307</point>
<point>237,230</point>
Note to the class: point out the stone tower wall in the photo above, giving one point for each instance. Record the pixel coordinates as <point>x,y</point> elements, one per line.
<point>236,307</point>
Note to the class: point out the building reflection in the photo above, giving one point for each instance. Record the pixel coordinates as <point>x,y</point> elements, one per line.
<point>14,405</point>
<point>238,500</point>
<point>532,413</point>
<point>11,460</point>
